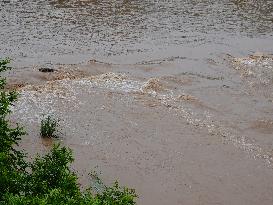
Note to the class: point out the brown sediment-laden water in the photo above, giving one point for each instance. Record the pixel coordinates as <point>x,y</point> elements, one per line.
<point>172,98</point>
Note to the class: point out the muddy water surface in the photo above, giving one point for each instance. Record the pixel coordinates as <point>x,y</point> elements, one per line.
<point>52,31</point>
<point>173,98</point>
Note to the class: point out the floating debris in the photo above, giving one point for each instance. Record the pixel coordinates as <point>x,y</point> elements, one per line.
<point>46,70</point>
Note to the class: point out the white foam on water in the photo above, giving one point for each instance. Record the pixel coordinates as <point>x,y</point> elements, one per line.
<point>51,98</point>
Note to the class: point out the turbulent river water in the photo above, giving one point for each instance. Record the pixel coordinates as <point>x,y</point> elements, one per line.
<point>37,32</point>
<point>174,98</point>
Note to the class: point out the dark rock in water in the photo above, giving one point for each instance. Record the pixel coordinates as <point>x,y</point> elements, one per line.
<point>46,70</point>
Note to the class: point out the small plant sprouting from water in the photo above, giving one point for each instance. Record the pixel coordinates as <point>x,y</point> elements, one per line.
<point>49,127</point>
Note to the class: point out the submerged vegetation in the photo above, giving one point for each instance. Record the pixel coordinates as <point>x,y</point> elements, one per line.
<point>49,127</point>
<point>47,179</point>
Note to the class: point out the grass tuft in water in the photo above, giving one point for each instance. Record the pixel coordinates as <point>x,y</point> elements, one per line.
<point>49,127</point>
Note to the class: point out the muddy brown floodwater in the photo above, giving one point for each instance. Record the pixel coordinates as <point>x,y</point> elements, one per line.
<point>172,98</point>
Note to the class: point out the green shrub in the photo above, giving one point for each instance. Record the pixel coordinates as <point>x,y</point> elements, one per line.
<point>48,179</point>
<point>49,127</point>
<point>12,163</point>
